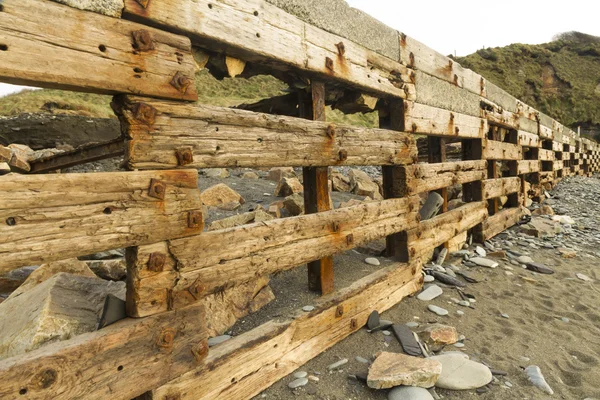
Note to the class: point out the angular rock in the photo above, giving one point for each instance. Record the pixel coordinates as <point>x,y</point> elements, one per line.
<point>294,204</point>
<point>114,310</point>
<point>250,175</point>
<point>111,8</point>
<point>436,334</point>
<point>57,309</point>
<point>392,369</point>
<point>460,373</point>
<point>430,293</point>
<point>409,393</point>
<point>288,186</point>
<point>373,320</point>
<point>407,340</point>
<point>483,262</point>
<point>111,270</point>
<point>534,374</point>
<point>4,168</point>
<point>363,185</point>
<point>19,163</point>
<point>218,173</point>
<point>220,195</point>
<point>5,154</point>
<point>541,228</point>
<point>340,182</point>
<point>539,268</point>
<point>350,203</point>
<point>15,278</point>
<point>567,253</point>
<point>241,219</point>
<point>277,174</point>
<point>432,206</point>
<point>544,210</point>
<point>437,310</point>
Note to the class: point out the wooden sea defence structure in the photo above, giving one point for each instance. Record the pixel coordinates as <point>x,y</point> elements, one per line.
<point>146,54</point>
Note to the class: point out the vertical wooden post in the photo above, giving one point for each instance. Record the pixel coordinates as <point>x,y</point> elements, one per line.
<point>391,116</point>
<point>316,189</point>
<point>493,173</point>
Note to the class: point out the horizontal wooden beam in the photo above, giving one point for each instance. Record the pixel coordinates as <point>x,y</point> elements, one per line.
<point>246,365</point>
<point>545,155</point>
<point>495,150</point>
<point>527,139</point>
<point>86,51</point>
<point>500,222</point>
<point>527,166</point>
<point>257,31</point>
<point>82,155</point>
<point>419,178</point>
<point>54,217</point>
<point>427,120</point>
<point>440,229</point>
<point>225,137</point>
<point>493,188</point>
<point>121,361</point>
<point>216,260</point>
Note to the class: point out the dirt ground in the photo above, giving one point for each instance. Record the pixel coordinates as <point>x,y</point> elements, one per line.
<point>553,320</point>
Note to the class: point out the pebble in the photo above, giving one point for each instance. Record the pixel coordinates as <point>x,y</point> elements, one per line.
<point>409,393</point>
<point>308,308</point>
<point>480,251</point>
<point>437,310</point>
<point>484,262</point>
<point>337,364</point>
<point>386,333</point>
<point>464,303</point>
<point>362,360</point>
<point>459,345</point>
<point>508,273</point>
<point>412,324</point>
<point>430,293</point>
<point>372,261</point>
<point>300,374</point>
<point>428,279</point>
<point>508,384</point>
<point>313,378</point>
<point>296,383</point>
<point>535,376</point>
<point>564,319</point>
<point>505,316</point>
<point>218,340</point>
<point>584,277</point>
<point>459,312</point>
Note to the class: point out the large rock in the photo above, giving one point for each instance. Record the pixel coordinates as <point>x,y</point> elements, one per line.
<point>225,308</point>
<point>363,185</point>
<point>277,174</point>
<point>112,270</point>
<point>340,182</point>
<point>288,186</point>
<point>221,195</point>
<point>438,334</point>
<point>111,8</point>
<point>541,228</point>
<point>47,271</point>
<point>394,369</point>
<point>294,204</point>
<point>241,219</point>
<point>460,373</point>
<point>56,309</point>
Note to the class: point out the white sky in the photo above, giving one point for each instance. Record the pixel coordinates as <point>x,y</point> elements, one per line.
<point>463,27</point>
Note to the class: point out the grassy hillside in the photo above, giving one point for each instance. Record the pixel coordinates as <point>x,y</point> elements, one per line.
<point>560,78</point>
<point>228,92</point>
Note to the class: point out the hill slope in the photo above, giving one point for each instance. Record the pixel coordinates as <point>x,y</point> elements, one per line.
<point>560,78</point>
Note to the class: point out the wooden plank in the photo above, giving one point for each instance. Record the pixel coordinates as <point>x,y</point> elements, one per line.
<point>256,31</point>
<point>527,139</point>
<point>237,255</point>
<point>255,360</point>
<point>121,361</point>
<point>427,120</point>
<point>545,132</point>
<point>419,178</point>
<point>316,192</point>
<point>493,188</point>
<point>557,146</point>
<point>223,137</point>
<point>500,222</point>
<point>86,51</point>
<point>82,155</point>
<point>54,217</point>
<point>440,229</point>
<point>545,155</point>
<point>494,150</point>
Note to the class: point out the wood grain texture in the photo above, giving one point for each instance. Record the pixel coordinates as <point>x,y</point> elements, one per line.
<point>494,150</point>
<point>257,359</point>
<point>500,222</point>
<point>256,31</point>
<point>493,188</point>
<point>223,137</point>
<point>527,139</point>
<point>54,217</point>
<point>86,51</point>
<point>545,155</point>
<point>419,178</point>
<point>428,120</point>
<point>121,361</point>
<point>237,255</point>
<point>527,166</point>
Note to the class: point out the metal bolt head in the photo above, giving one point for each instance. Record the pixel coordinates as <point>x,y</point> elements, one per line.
<point>157,189</point>
<point>166,338</point>
<point>343,155</point>
<point>195,220</point>
<point>156,262</point>
<point>142,40</point>
<point>331,131</point>
<point>181,82</point>
<point>329,64</point>
<point>341,48</point>
<point>144,113</point>
<point>184,156</point>
<point>339,311</point>
<point>199,351</point>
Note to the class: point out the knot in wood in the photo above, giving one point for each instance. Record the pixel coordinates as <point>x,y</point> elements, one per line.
<point>44,379</point>
<point>184,156</point>
<point>349,239</point>
<point>144,113</point>
<point>142,40</point>
<point>329,64</point>
<point>166,338</point>
<point>157,189</point>
<point>156,262</point>
<point>341,48</point>
<point>181,82</point>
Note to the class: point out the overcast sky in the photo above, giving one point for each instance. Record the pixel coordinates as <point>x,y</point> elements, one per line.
<point>462,27</point>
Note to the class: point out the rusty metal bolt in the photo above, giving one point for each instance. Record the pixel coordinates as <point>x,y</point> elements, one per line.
<point>341,48</point>
<point>343,155</point>
<point>197,289</point>
<point>353,323</point>
<point>199,351</point>
<point>339,311</point>
<point>184,156</point>
<point>412,60</point>
<point>349,239</point>
<point>157,189</point>
<point>143,3</point>
<point>335,227</point>
<point>181,82</point>
<point>413,252</point>
<point>414,128</point>
<point>142,40</point>
<point>156,262</point>
<point>457,130</point>
<point>166,338</point>
<point>329,64</point>
<point>195,219</point>
<point>144,113</point>
<point>331,131</point>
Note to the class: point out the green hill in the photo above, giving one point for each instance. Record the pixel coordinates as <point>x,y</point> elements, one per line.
<point>560,78</point>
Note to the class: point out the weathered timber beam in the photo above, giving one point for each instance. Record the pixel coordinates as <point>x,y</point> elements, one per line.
<point>86,51</point>
<point>500,222</point>
<point>427,120</point>
<point>224,137</point>
<point>493,188</point>
<point>527,139</point>
<point>121,361</point>
<point>495,150</point>
<point>440,229</point>
<point>53,217</point>
<point>256,31</point>
<point>545,155</point>
<point>419,178</point>
<point>257,359</point>
<point>527,166</point>
<point>237,255</point>
<point>82,155</point>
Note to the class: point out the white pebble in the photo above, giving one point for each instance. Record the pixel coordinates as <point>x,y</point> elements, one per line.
<point>372,261</point>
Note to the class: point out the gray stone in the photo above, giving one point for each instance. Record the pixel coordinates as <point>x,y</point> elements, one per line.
<point>218,340</point>
<point>300,374</point>
<point>464,303</point>
<point>111,8</point>
<point>534,374</point>
<point>480,251</point>
<point>430,293</point>
<point>337,364</point>
<point>484,262</point>
<point>308,308</point>
<point>412,324</point>
<point>460,373</point>
<point>432,206</point>
<point>373,320</point>
<point>409,393</point>
<point>112,270</point>
<point>524,259</point>
<point>372,261</point>
<point>428,279</point>
<point>296,383</point>
<point>437,310</point>
<point>362,360</point>
<point>584,277</point>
